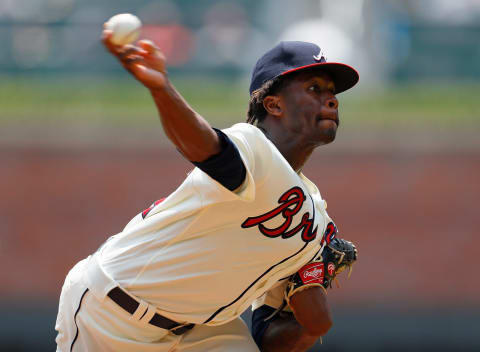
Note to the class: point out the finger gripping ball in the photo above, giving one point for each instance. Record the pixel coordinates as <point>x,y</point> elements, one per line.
<point>125,28</point>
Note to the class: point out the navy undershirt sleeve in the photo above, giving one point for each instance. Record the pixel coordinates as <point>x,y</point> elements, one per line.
<point>225,167</point>
<point>259,325</point>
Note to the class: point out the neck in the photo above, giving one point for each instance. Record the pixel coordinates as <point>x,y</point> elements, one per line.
<point>293,149</point>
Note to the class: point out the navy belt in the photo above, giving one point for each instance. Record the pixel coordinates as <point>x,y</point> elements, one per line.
<point>130,304</point>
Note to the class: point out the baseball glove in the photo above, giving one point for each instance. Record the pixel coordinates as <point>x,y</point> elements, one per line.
<point>337,256</point>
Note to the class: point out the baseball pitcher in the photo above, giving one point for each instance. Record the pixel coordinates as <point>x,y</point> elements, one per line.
<point>245,228</point>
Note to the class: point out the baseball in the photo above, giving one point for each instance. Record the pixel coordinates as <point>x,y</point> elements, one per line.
<point>125,27</point>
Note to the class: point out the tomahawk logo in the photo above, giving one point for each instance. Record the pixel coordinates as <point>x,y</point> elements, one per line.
<point>290,204</point>
<point>320,56</point>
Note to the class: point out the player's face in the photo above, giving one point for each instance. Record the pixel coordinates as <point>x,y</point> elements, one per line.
<point>310,107</point>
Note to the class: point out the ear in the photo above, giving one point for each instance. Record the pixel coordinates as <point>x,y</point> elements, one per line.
<point>273,105</point>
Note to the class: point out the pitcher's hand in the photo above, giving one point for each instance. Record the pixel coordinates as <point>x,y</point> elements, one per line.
<point>144,61</point>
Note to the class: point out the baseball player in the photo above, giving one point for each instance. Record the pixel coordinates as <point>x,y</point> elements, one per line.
<point>245,226</point>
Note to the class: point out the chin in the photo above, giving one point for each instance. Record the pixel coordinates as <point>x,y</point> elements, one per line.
<point>327,131</point>
<point>328,135</point>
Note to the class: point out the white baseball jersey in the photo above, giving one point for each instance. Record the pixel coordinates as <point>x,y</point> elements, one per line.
<point>204,254</point>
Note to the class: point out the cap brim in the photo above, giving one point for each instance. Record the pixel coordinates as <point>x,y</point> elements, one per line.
<point>344,76</point>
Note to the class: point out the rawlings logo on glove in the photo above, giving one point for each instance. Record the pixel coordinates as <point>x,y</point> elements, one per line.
<point>312,272</point>
<point>337,256</point>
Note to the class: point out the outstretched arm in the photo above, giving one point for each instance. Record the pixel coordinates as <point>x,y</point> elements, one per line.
<point>189,131</point>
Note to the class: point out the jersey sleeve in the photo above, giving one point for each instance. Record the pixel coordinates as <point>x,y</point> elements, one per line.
<point>255,152</point>
<point>227,166</point>
<point>255,149</point>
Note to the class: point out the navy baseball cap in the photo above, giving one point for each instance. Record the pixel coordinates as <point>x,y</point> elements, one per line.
<point>292,56</point>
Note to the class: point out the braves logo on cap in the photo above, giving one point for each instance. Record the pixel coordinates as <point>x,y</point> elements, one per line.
<point>320,56</point>
<point>290,56</point>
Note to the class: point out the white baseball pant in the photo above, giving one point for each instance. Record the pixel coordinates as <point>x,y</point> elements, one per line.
<point>88,320</point>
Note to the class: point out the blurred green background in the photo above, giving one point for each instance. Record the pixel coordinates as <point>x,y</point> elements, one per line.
<point>78,135</point>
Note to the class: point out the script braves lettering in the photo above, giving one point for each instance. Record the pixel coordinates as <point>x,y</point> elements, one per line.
<point>290,204</point>
<point>330,233</point>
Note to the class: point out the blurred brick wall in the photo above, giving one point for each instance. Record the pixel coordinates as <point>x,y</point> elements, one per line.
<point>414,217</point>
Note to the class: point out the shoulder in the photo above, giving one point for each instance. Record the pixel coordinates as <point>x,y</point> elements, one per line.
<point>246,130</point>
<point>250,137</point>
<point>256,149</point>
